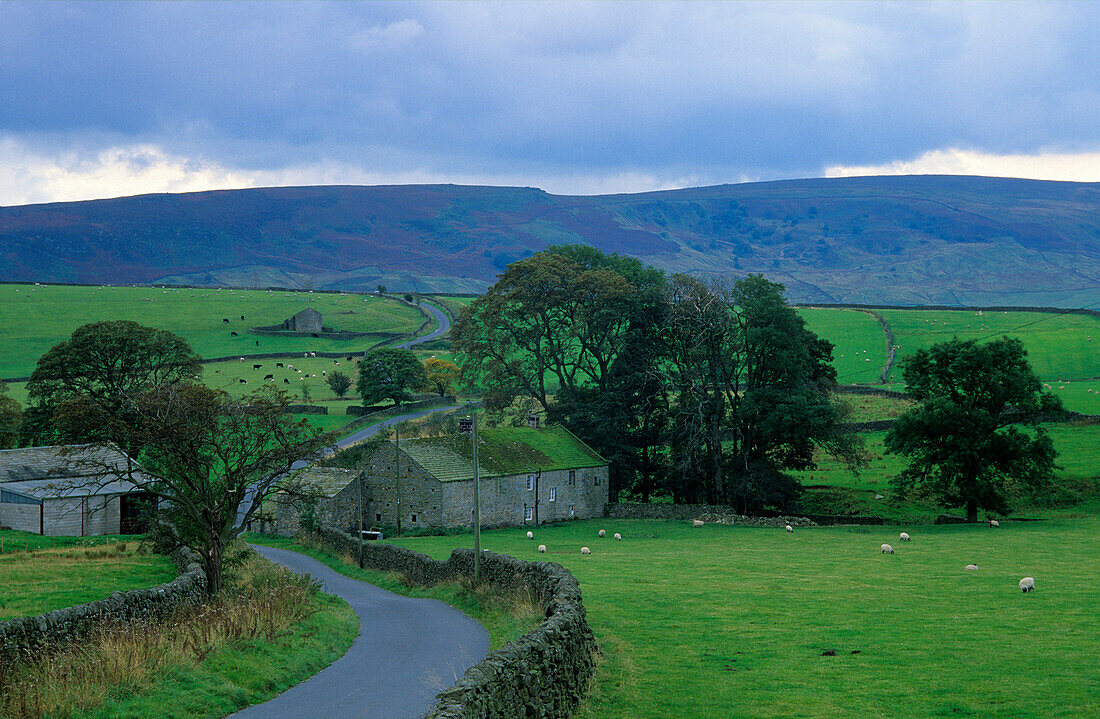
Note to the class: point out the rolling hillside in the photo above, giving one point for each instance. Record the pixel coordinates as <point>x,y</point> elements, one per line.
<point>900,240</point>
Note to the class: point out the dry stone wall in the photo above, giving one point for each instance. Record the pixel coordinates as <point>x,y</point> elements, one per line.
<point>541,675</point>
<point>27,635</point>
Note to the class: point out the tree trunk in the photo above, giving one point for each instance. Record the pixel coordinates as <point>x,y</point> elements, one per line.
<point>972,510</point>
<point>212,565</point>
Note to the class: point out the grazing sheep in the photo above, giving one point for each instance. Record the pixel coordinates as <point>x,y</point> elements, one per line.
<point>971,567</point>
<point>618,537</point>
<point>603,533</point>
<point>887,549</point>
<point>789,528</point>
<point>697,523</point>
<point>530,535</point>
<point>994,523</point>
<point>905,537</point>
<point>586,550</point>
<point>1027,584</point>
<point>542,549</point>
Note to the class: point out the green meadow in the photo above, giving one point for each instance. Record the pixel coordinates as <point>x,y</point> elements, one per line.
<point>724,621</point>
<point>859,346</point>
<point>35,318</point>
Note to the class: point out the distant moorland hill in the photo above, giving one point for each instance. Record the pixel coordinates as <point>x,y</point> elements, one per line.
<point>945,240</point>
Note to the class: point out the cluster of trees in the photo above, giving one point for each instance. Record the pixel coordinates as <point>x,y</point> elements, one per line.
<point>704,390</point>
<point>396,374</point>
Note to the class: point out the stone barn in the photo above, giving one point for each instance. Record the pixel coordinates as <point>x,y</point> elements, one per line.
<point>527,475</point>
<point>308,320</point>
<point>44,491</point>
<point>333,495</point>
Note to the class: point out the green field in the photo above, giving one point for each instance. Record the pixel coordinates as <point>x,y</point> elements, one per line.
<point>859,346</point>
<point>42,580</point>
<point>1059,346</point>
<point>34,318</point>
<point>726,621</point>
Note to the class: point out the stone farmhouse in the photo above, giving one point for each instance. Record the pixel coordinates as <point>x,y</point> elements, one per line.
<point>528,475</point>
<point>46,492</point>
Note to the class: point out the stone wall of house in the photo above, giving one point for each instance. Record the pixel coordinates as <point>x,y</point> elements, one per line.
<point>419,494</point>
<point>27,635</point>
<point>24,517</point>
<point>505,501</point>
<point>543,674</point>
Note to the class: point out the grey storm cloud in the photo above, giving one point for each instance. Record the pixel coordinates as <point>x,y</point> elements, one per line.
<point>717,90</point>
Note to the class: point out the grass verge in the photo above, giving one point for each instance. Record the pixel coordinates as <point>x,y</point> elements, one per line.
<point>505,617</point>
<point>270,630</point>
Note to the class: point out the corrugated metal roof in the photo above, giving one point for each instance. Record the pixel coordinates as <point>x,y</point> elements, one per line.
<point>502,451</point>
<point>73,487</point>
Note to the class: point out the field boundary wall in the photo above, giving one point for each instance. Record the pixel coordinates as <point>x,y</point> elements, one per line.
<point>24,636</point>
<point>957,308</point>
<point>544,673</point>
<point>720,514</point>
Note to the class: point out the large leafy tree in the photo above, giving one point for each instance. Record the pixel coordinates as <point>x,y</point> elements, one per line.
<point>11,415</point>
<point>442,375</point>
<point>208,457</point>
<point>390,374</point>
<point>93,375</point>
<point>572,328</point>
<point>752,393</point>
<point>973,440</point>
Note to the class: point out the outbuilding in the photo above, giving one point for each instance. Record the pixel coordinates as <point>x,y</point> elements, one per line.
<point>49,491</point>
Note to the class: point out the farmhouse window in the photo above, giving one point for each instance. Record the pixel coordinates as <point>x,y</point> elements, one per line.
<point>528,514</point>
<point>530,482</point>
<point>572,478</point>
<point>553,493</point>
<point>596,480</point>
<point>572,509</point>
<point>414,517</point>
<point>377,517</point>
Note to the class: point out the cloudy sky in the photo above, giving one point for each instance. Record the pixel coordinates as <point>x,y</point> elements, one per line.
<point>102,99</point>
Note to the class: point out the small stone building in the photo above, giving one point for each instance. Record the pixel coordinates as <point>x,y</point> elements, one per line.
<point>308,320</point>
<point>333,497</point>
<point>46,491</point>
<point>527,476</point>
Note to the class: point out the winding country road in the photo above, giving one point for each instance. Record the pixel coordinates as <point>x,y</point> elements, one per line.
<point>442,327</point>
<point>407,651</point>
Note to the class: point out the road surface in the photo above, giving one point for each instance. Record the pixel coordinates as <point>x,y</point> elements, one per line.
<point>442,322</point>
<point>407,651</point>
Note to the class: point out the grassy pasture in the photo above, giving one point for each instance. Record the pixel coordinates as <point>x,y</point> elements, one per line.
<point>859,351</point>
<point>732,622</point>
<point>1058,346</point>
<point>34,318</point>
<point>42,580</point>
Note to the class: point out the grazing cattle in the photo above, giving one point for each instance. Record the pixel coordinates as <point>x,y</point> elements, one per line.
<point>257,366</point>
<point>242,317</point>
<point>286,381</point>
<point>349,358</point>
<point>269,377</point>
<point>242,381</point>
<point>232,334</point>
<point>280,364</point>
<point>225,320</point>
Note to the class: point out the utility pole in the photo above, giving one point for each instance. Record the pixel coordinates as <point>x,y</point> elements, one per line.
<point>477,508</point>
<point>359,486</point>
<point>397,466</point>
<point>538,478</point>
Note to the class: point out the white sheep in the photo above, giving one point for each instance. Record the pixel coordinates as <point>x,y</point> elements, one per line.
<point>618,537</point>
<point>994,523</point>
<point>789,528</point>
<point>542,549</point>
<point>530,535</point>
<point>1027,584</point>
<point>586,550</point>
<point>697,523</point>
<point>887,549</point>
<point>905,537</point>
<point>971,567</point>
<point>603,533</point>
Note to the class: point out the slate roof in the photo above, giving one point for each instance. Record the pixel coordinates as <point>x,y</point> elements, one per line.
<point>44,472</point>
<point>34,463</point>
<point>502,451</point>
<point>326,481</point>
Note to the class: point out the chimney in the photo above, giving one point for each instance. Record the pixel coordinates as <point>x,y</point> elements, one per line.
<point>532,420</point>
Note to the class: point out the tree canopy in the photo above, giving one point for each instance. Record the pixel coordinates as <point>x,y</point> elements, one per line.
<point>208,457</point>
<point>11,415</point>
<point>973,441</point>
<point>339,383</point>
<point>442,375</point>
<point>390,374</point>
<point>92,375</point>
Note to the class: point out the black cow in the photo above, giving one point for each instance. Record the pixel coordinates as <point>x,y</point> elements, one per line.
<point>286,381</point>
<point>232,334</point>
<point>242,381</point>
<point>278,364</point>
<point>242,317</point>
<point>225,320</point>
<point>270,377</point>
<point>257,366</point>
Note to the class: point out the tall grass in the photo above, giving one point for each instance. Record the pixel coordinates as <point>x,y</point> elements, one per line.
<point>263,601</point>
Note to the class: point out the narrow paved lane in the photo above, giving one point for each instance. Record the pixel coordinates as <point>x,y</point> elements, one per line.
<point>442,327</point>
<point>407,651</point>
